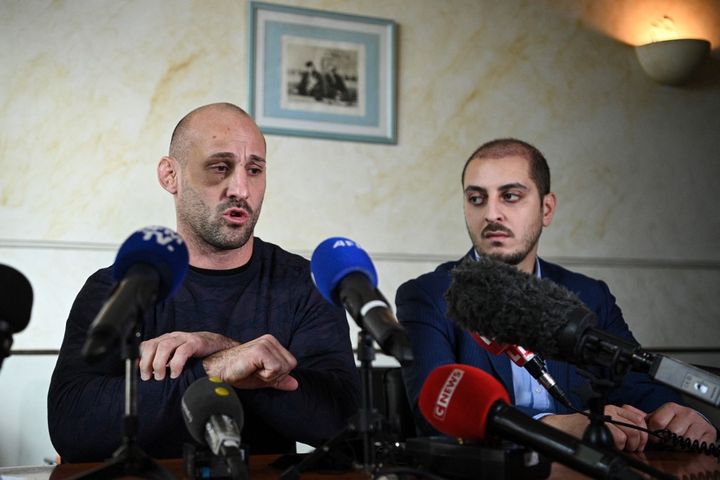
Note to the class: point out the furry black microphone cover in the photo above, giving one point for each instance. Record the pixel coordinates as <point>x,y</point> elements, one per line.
<point>500,302</point>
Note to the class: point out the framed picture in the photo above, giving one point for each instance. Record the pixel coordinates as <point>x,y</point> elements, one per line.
<point>322,74</point>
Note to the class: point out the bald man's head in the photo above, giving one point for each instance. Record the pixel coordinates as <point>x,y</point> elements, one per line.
<point>181,137</point>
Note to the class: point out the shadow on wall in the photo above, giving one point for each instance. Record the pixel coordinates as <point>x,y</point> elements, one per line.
<point>708,75</point>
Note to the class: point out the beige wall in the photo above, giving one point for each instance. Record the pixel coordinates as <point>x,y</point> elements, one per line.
<point>90,91</point>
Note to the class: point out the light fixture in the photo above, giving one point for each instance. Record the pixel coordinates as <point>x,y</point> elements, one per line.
<point>672,62</point>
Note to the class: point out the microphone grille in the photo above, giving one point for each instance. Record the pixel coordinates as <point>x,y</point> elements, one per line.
<point>205,397</point>
<point>333,260</point>
<point>502,303</point>
<point>456,400</point>
<point>162,249</point>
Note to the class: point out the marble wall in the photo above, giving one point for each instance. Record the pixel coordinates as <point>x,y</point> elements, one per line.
<point>91,89</point>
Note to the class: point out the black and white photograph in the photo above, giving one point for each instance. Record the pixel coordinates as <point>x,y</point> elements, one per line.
<point>322,76</point>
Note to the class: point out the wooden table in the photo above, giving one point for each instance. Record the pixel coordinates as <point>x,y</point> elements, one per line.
<point>680,464</point>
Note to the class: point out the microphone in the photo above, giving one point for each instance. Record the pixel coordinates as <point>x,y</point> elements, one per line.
<point>15,306</point>
<point>530,362</point>
<point>149,267</point>
<point>468,403</point>
<point>345,276</point>
<point>214,417</point>
<point>499,301</point>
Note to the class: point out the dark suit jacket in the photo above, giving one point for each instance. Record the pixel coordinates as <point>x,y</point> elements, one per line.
<point>437,340</point>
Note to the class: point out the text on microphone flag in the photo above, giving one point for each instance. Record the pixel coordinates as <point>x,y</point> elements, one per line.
<point>446,393</point>
<point>163,236</point>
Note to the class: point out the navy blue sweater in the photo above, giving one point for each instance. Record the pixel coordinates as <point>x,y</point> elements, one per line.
<point>272,294</point>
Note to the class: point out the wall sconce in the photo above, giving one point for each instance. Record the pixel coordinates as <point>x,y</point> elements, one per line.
<point>672,62</point>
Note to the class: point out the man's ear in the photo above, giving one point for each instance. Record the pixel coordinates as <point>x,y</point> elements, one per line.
<point>167,172</point>
<point>549,204</point>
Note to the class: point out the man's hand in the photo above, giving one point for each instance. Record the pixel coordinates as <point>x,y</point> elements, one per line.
<point>682,421</point>
<point>173,349</point>
<point>625,438</point>
<point>260,363</point>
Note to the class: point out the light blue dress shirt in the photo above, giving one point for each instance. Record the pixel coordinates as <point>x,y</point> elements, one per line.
<point>528,392</point>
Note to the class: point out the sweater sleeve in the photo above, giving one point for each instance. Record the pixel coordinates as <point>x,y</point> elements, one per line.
<point>86,401</point>
<point>329,386</point>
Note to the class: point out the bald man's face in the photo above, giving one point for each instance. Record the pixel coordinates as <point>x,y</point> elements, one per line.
<point>222,180</point>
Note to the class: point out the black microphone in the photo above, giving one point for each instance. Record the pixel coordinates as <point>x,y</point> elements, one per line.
<point>529,361</point>
<point>499,301</point>
<point>466,402</point>
<point>149,266</point>
<point>345,276</point>
<point>214,417</point>
<point>16,298</point>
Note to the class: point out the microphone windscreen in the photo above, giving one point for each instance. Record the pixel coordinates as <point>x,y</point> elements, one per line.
<point>456,400</point>
<point>333,260</point>
<point>206,397</point>
<point>502,303</point>
<point>16,298</point>
<point>160,248</point>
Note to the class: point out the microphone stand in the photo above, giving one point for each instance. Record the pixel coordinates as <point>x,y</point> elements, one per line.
<point>367,423</point>
<point>597,432</point>
<point>368,420</point>
<point>129,458</point>
<point>618,364</point>
<point>6,340</point>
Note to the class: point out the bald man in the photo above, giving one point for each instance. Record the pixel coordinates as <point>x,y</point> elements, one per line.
<point>247,312</point>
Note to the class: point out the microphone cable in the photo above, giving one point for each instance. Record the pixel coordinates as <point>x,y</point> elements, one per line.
<point>673,440</point>
<point>555,391</point>
<point>670,439</point>
<point>666,437</point>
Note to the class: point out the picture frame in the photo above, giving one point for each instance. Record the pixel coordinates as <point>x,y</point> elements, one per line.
<point>321,74</point>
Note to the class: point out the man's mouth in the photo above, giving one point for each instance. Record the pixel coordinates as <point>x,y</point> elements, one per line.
<point>496,233</point>
<point>236,215</point>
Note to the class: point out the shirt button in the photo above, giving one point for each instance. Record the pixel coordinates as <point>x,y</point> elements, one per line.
<point>537,390</point>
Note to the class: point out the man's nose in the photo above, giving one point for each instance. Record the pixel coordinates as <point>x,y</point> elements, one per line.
<point>238,184</point>
<point>494,211</point>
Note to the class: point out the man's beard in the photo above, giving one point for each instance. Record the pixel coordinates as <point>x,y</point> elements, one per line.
<point>513,258</point>
<point>211,227</point>
<point>529,241</point>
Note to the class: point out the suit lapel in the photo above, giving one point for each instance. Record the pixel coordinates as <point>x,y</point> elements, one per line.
<point>503,371</point>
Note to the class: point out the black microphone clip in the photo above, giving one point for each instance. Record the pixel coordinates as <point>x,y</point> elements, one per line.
<point>201,464</point>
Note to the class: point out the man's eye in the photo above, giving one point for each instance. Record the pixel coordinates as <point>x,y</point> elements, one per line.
<point>254,171</point>
<point>476,200</point>
<point>511,197</point>
<point>219,168</point>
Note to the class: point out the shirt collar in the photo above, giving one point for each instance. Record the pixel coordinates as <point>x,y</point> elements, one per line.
<point>538,271</point>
